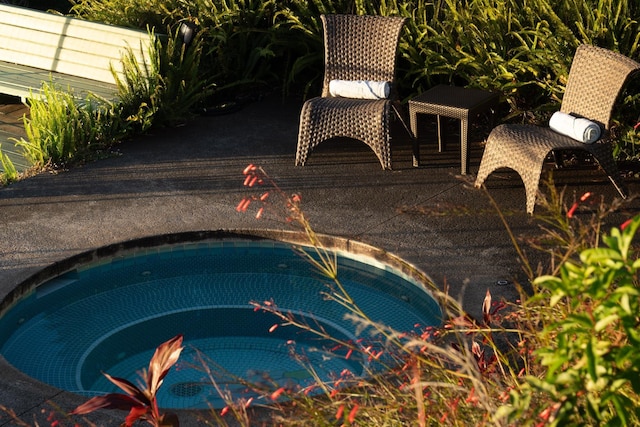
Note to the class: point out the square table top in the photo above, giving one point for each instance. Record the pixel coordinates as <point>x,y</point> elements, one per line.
<point>455,97</point>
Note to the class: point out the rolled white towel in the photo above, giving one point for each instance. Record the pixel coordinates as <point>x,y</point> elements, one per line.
<point>578,128</point>
<point>360,89</point>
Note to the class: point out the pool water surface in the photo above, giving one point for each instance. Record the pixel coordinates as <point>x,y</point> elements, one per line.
<point>110,315</point>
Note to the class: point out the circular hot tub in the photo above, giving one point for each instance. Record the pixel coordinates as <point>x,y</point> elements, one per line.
<point>107,311</point>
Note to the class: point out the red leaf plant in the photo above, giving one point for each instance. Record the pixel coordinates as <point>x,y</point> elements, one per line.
<point>140,400</point>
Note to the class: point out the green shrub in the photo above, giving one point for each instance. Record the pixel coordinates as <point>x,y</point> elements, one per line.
<point>582,329</point>
<point>167,90</point>
<point>62,129</point>
<point>9,172</point>
<point>592,369</point>
<point>183,86</point>
<point>152,14</point>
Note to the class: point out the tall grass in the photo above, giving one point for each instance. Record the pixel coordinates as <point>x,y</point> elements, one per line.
<point>9,171</point>
<point>61,129</point>
<point>565,355</point>
<point>167,90</point>
<point>498,44</point>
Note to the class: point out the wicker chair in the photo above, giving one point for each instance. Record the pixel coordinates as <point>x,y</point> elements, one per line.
<point>595,80</point>
<point>356,48</point>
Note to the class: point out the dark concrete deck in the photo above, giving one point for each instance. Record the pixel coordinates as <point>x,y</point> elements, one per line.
<point>190,179</point>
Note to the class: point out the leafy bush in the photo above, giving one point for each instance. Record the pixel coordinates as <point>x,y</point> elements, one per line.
<point>590,342</point>
<point>151,14</point>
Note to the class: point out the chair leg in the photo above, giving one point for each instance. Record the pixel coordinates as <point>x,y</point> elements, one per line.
<point>382,149</point>
<point>527,163</point>
<point>619,184</point>
<point>603,153</point>
<point>304,136</point>
<point>531,179</point>
<point>489,163</point>
<point>302,149</point>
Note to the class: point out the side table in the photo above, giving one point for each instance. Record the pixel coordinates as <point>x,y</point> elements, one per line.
<point>450,101</point>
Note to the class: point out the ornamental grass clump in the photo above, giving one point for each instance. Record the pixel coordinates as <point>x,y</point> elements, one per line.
<point>61,129</point>
<point>167,90</point>
<point>9,171</point>
<point>453,374</point>
<point>565,355</point>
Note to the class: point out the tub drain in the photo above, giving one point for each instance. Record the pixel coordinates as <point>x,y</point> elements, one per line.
<point>186,389</point>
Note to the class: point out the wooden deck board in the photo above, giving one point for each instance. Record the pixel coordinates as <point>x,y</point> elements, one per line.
<point>20,80</point>
<point>11,126</point>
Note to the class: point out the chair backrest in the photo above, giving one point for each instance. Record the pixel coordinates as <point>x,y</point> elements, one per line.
<point>359,47</point>
<point>595,80</point>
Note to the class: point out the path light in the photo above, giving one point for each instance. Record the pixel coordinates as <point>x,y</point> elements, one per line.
<point>187,31</point>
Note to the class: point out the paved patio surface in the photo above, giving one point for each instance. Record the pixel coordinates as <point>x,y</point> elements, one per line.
<point>190,179</point>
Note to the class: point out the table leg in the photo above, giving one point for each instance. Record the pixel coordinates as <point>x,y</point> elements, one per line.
<point>464,156</point>
<point>414,142</point>
<point>439,134</point>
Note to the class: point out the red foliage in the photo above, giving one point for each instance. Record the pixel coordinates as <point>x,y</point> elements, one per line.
<point>141,403</point>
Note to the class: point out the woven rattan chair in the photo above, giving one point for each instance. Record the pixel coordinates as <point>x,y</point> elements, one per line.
<point>356,48</point>
<point>595,80</point>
